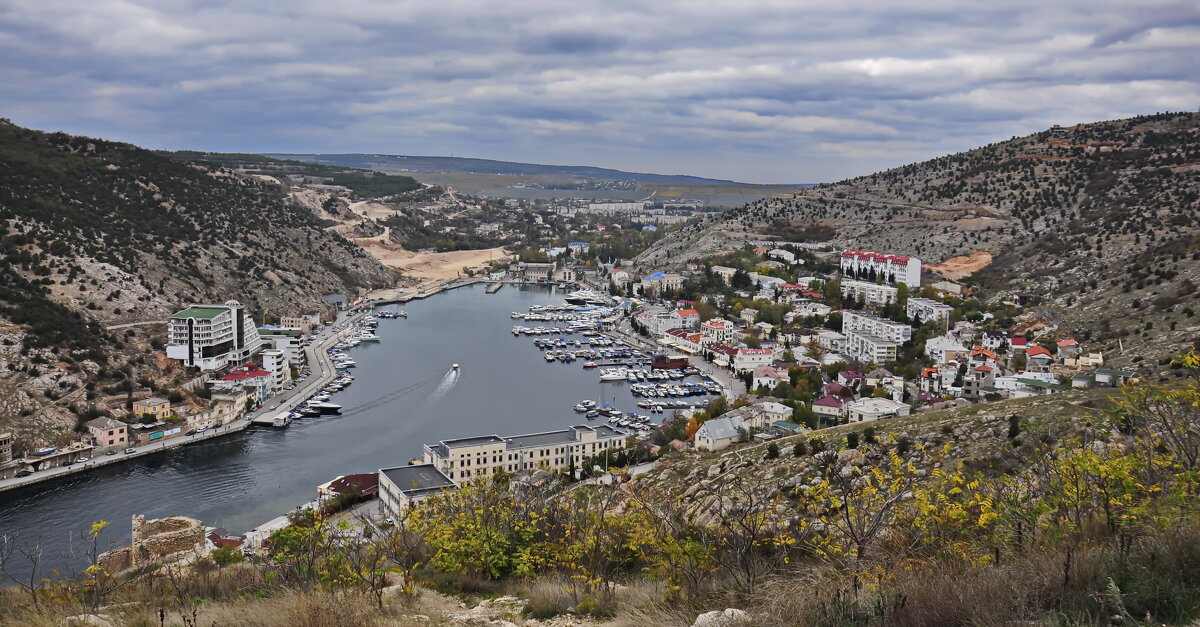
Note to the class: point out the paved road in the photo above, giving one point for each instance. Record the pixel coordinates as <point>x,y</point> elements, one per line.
<point>126,325</point>
<point>322,372</point>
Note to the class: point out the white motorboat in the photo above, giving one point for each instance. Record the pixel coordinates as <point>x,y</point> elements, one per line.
<point>614,374</point>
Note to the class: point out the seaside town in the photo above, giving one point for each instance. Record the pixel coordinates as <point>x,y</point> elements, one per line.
<point>790,340</point>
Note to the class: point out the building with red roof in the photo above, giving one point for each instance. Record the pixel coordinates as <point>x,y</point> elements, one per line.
<point>830,407</point>
<point>890,268</point>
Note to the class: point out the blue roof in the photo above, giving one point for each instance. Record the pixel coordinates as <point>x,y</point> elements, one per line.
<point>577,244</point>
<point>650,227</point>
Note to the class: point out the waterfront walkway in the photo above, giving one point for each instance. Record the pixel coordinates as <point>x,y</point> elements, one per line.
<point>731,386</point>
<point>321,372</point>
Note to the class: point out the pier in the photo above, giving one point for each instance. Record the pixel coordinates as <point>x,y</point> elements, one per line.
<point>494,287</point>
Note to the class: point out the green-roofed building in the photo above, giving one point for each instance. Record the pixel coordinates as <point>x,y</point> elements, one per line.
<point>212,337</point>
<point>201,312</point>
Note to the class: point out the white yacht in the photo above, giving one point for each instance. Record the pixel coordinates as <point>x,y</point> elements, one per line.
<point>586,297</point>
<point>614,374</point>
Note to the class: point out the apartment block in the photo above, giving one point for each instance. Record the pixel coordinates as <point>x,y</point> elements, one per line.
<point>870,348</point>
<point>867,324</point>
<point>873,294</point>
<point>926,309</point>
<point>870,265</point>
<point>465,459</point>
<point>211,337</point>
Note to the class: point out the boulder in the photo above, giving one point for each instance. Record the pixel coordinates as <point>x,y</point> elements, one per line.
<point>717,618</point>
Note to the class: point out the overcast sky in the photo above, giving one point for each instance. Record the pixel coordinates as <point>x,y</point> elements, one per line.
<point>771,91</point>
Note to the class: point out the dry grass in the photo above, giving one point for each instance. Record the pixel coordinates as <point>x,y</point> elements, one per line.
<point>547,598</point>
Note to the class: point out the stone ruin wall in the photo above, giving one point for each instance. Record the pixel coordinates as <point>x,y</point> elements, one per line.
<point>162,539</point>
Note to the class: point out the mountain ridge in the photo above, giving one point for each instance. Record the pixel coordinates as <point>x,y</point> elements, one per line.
<point>435,164</point>
<point>1095,221</point>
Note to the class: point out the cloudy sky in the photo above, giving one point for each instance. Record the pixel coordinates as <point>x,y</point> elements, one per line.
<point>773,91</point>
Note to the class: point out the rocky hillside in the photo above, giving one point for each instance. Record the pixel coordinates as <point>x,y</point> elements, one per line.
<point>99,233</point>
<point>1098,220</point>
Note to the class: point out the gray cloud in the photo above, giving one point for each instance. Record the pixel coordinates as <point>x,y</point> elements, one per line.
<point>769,91</point>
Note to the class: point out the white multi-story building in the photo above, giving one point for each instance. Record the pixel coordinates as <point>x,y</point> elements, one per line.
<point>748,359</point>
<point>283,339</point>
<point>467,459</point>
<point>659,322</point>
<point>276,363</point>
<point>831,340</point>
<point>926,309</point>
<point>889,268</point>
<point>403,486</point>
<point>868,409</point>
<point>871,348</point>
<point>873,294</point>
<point>782,255</point>
<point>945,348</point>
<point>719,329</point>
<point>211,337</point>
<point>856,322</point>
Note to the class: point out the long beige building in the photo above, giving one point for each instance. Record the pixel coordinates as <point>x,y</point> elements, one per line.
<point>465,459</point>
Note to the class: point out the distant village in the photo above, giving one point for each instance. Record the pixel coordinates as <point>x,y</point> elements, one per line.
<point>865,340</point>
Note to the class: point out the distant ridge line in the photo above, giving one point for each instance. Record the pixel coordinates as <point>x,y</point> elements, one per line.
<point>442,165</point>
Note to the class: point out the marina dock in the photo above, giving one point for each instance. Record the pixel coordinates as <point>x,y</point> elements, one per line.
<point>495,287</point>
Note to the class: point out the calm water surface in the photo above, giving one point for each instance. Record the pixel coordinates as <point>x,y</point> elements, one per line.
<point>402,398</point>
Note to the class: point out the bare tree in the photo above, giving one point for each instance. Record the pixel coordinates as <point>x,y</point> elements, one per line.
<point>365,560</point>
<point>21,563</point>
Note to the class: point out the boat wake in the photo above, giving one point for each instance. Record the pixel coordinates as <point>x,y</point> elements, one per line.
<point>448,382</point>
<point>390,397</point>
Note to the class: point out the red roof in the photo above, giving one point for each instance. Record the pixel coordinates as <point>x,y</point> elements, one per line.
<point>1036,350</point>
<point>1068,342</point>
<point>979,350</point>
<point>928,373</point>
<point>1018,341</point>
<point>754,351</point>
<point>874,256</point>
<point>830,401</point>
<point>769,371</point>
<point>850,374</point>
<point>242,375</point>
<point>365,484</point>
<point>688,313</point>
<point>984,369</point>
<point>832,388</point>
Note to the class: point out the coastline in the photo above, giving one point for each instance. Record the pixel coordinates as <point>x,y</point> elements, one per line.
<point>322,373</point>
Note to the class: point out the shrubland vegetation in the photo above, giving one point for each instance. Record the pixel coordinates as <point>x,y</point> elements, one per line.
<point>1093,525</point>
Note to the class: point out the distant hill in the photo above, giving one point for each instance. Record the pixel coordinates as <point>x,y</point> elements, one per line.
<point>99,233</point>
<point>362,183</point>
<point>1100,222</point>
<point>402,163</point>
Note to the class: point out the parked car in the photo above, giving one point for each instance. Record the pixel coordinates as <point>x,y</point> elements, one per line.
<point>201,429</point>
<point>84,459</point>
<point>130,450</point>
<point>23,473</point>
<point>111,453</point>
